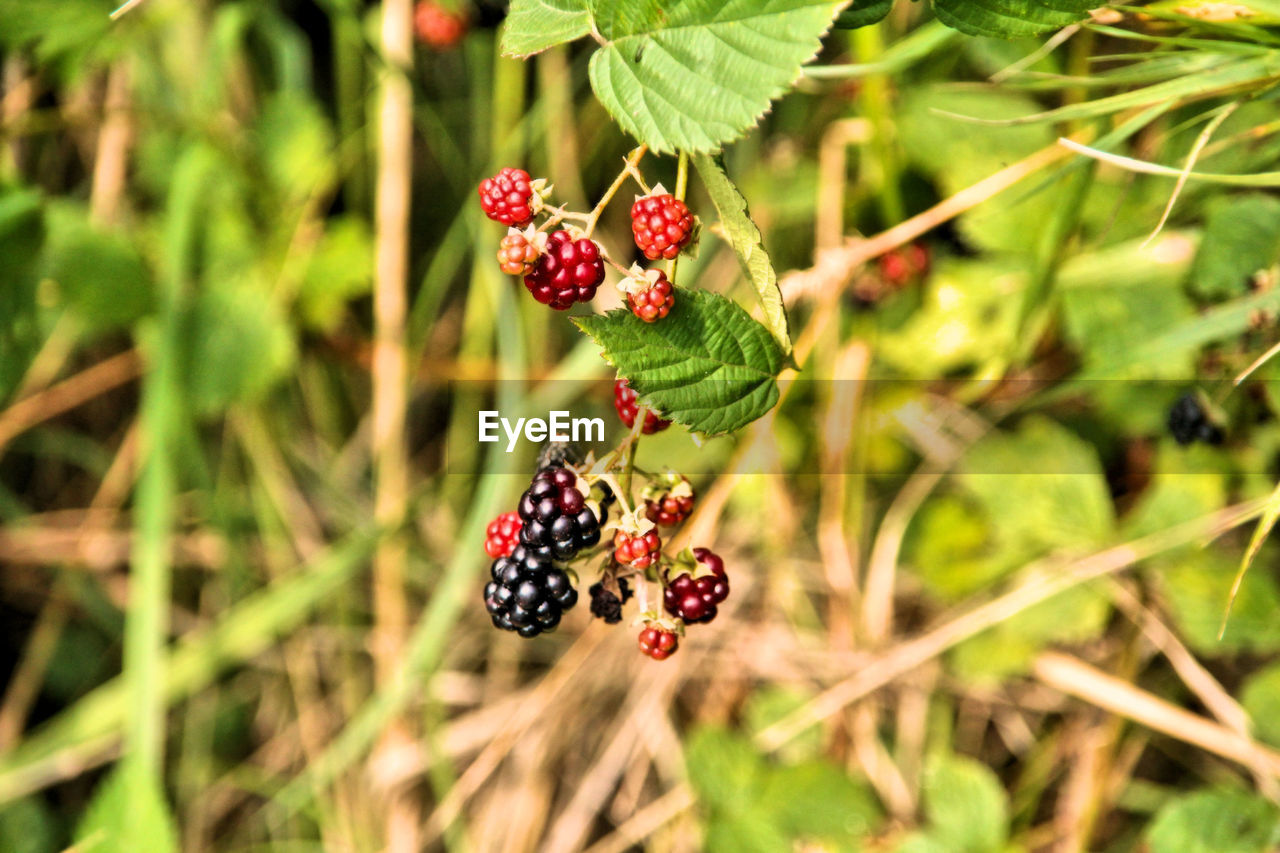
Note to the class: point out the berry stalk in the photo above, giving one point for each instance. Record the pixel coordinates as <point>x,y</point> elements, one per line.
<point>632,159</point>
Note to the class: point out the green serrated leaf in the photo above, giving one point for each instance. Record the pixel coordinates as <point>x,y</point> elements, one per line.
<point>724,769</point>
<point>1010,18</point>
<point>745,239</point>
<point>697,74</point>
<point>816,799</point>
<point>863,13</point>
<point>1215,822</point>
<point>535,25</point>
<point>238,346</point>
<point>708,365</point>
<point>1242,236</point>
<point>966,805</point>
<point>99,274</point>
<point>1261,698</point>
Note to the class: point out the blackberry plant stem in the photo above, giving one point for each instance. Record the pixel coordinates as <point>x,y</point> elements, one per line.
<point>632,159</point>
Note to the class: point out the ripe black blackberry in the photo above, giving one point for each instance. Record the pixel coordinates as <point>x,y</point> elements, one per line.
<point>1189,422</point>
<point>557,521</point>
<point>527,594</point>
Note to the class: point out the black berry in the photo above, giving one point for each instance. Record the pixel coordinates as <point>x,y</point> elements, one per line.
<point>557,521</point>
<point>527,594</point>
<point>1189,422</point>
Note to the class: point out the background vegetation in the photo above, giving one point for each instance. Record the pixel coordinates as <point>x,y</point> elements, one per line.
<point>998,629</point>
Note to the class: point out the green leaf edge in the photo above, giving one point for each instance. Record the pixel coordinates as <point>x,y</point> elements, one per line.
<point>744,237</point>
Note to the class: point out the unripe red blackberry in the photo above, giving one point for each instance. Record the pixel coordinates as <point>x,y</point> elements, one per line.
<point>657,643</point>
<point>502,535</point>
<point>519,251</point>
<point>568,271</point>
<point>639,550</point>
<point>558,522</point>
<point>509,197</point>
<point>694,599</point>
<point>627,407</point>
<point>904,264</point>
<point>649,294</point>
<point>669,505</point>
<point>438,27</point>
<point>661,224</point>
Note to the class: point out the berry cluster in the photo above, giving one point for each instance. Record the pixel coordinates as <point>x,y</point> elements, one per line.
<point>527,592</point>
<point>564,266</point>
<point>563,515</point>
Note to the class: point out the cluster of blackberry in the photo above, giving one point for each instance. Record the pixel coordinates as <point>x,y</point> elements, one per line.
<point>527,592</point>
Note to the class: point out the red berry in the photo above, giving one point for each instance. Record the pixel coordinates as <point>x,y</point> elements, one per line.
<point>624,401</point>
<point>657,643</point>
<point>662,225</point>
<point>669,510</point>
<point>438,27</point>
<point>502,535</point>
<point>652,301</point>
<point>900,266</point>
<point>516,255</point>
<point>568,271</point>
<point>695,599</point>
<point>640,551</point>
<point>507,197</point>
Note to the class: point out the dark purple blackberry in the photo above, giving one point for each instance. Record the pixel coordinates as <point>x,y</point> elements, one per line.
<point>557,521</point>
<point>527,595</point>
<point>1189,422</point>
<point>607,606</point>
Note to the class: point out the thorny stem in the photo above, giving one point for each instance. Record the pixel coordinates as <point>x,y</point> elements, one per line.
<point>617,266</point>
<point>642,594</point>
<point>560,215</point>
<point>639,178</point>
<point>623,499</point>
<point>630,164</point>
<point>682,185</point>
